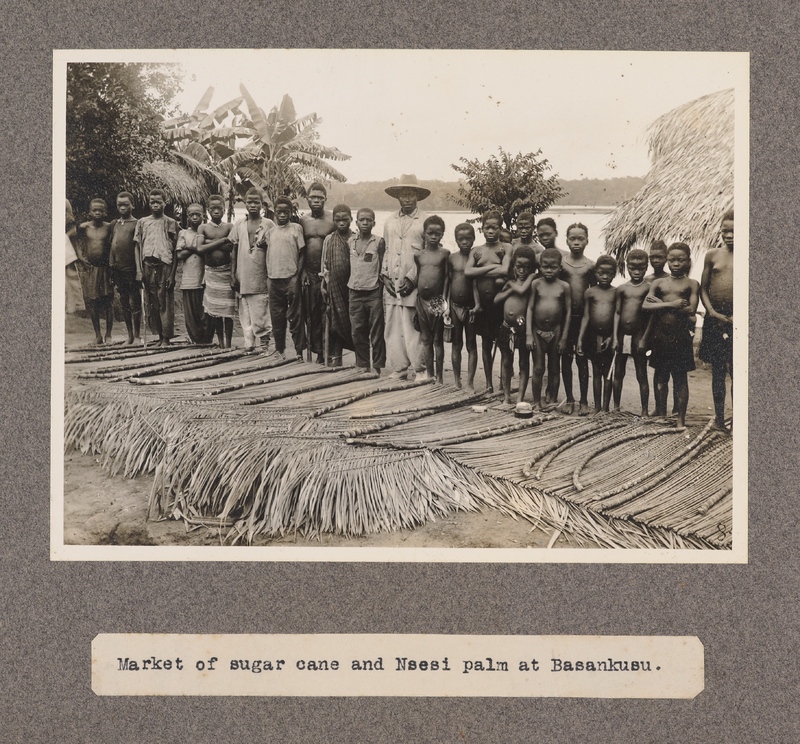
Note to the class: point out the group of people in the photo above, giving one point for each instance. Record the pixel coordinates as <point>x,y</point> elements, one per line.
<point>396,299</point>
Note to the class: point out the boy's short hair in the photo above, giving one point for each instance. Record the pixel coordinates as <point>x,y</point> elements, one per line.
<point>255,191</point>
<point>636,253</point>
<point>681,247</point>
<point>434,219</point>
<point>464,226</point>
<point>550,253</point>
<point>547,221</point>
<point>158,192</point>
<point>98,200</point>
<point>524,251</point>
<point>195,204</point>
<point>526,216</point>
<point>606,260</point>
<point>317,186</point>
<point>283,200</point>
<point>216,198</point>
<point>728,215</point>
<point>125,195</point>
<point>578,226</point>
<point>492,214</point>
<point>658,245</point>
<point>366,210</point>
<point>339,208</point>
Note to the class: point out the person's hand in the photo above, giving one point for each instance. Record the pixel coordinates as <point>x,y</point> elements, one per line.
<point>530,341</point>
<point>641,345</point>
<point>614,343</point>
<point>138,276</point>
<point>471,314</point>
<point>169,283</point>
<point>562,345</point>
<point>235,285</point>
<point>324,293</point>
<point>579,349</point>
<point>406,287</point>
<point>650,298</point>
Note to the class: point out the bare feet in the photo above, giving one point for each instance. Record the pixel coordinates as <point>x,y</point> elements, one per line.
<point>488,390</point>
<point>584,408</point>
<point>108,338</point>
<point>470,387</point>
<point>568,407</point>
<point>457,383</point>
<point>98,341</point>
<point>720,426</point>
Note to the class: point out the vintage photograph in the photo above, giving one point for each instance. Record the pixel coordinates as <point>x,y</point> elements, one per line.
<point>400,305</point>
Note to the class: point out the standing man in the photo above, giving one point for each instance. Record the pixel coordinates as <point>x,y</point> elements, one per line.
<point>402,234</point>
<point>316,227</point>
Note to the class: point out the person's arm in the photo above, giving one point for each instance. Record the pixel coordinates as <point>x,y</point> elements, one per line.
<point>652,303</point>
<point>504,293</point>
<point>529,339</point>
<point>502,269</point>
<point>301,256</point>
<point>182,249</point>
<point>170,283</point>
<point>525,287</point>
<point>323,264</point>
<point>643,340</point>
<point>472,270</point>
<point>705,284</point>
<point>587,308</point>
<point>446,293</point>
<point>615,340</point>
<point>694,297</point>
<point>137,251</point>
<point>567,299</point>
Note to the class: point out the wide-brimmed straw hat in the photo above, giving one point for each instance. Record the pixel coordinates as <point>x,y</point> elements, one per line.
<point>408,182</point>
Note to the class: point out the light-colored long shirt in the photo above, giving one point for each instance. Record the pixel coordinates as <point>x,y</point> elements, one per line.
<point>284,243</point>
<point>251,260</point>
<point>403,236</point>
<point>157,237</point>
<point>193,266</point>
<point>365,265</point>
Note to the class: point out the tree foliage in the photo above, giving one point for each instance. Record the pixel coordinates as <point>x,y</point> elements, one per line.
<point>509,183</point>
<point>238,145</point>
<point>113,128</point>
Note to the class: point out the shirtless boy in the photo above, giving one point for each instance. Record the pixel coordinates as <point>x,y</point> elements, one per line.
<point>249,271</point>
<point>316,227</point>
<point>94,243</point>
<point>630,328</point>
<point>219,297</point>
<point>488,266</point>
<point>546,234</point>
<point>596,337</point>
<point>462,301</point>
<point>122,261</point>
<point>548,322</point>
<point>432,287</point>
<point>157,261</point>
<point>674,300</point>
<point>525,229</point>
<point>514,300</point>
<point>578,272</point>
<point>716,292</point>
<point>658,260</point>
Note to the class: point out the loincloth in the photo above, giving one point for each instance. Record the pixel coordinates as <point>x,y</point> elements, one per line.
<point>512,337</point>
<point>716,346</point>
<point>219,299</point>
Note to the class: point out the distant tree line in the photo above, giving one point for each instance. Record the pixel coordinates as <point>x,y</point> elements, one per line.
<point>589,192</point>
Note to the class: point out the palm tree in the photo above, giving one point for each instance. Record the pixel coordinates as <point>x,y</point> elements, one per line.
<point>232,151</point>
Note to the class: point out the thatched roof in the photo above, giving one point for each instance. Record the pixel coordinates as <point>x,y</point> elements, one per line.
<point>690,184</point>
<point>180,186</point>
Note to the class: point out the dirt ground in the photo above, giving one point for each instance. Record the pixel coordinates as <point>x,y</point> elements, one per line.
<point>100,509</point>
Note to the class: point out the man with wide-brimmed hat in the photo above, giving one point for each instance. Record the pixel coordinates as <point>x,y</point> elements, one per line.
<point>402,234</point>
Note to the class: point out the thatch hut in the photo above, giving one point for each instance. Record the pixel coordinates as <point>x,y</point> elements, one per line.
<point>690,184</point>
<point>180,186</point>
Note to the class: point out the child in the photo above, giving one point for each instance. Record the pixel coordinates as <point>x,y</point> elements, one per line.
<point>432,288</point>
<point>199,326</point>
<point>335,278</point>
<point>462,302</point>
<point>674,299</point>
<point>546,234</point>
<point>658,260</point>
<point>525,229</point>
<point>514,299</point>
<point>578,272</point>
<point>488,266</point>
<point>122,261</point>
<point>548,322</point>
<point>630,328</point>
<point>249,271</point>
<point>219,297</point>
<point>596,337</point>
<point>716,291</point>
<point>366,293</point>
<point>285,261</point>
<point>94,240</point>
<point>316,227</point>
<point>156,237</point>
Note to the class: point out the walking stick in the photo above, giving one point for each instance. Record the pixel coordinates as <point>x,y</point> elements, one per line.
<point>144,317</point>
<point>307,303</point>
<point>327,343</point>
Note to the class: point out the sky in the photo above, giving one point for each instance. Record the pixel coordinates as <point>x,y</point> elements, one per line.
<point>418,111</point>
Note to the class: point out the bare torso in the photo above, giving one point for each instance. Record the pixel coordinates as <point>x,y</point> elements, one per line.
<point>210,232</point>
<point>431,272</point>
<point>315,230</point>
<point>600,303</point>
<point>718,279</point>
<point>580,276</point>
<point>629,300</point>
<point>515,305</point>
<point>549,303</point>
<point>460,284</point>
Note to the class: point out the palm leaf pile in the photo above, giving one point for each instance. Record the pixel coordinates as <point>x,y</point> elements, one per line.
<point>264,446</point>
